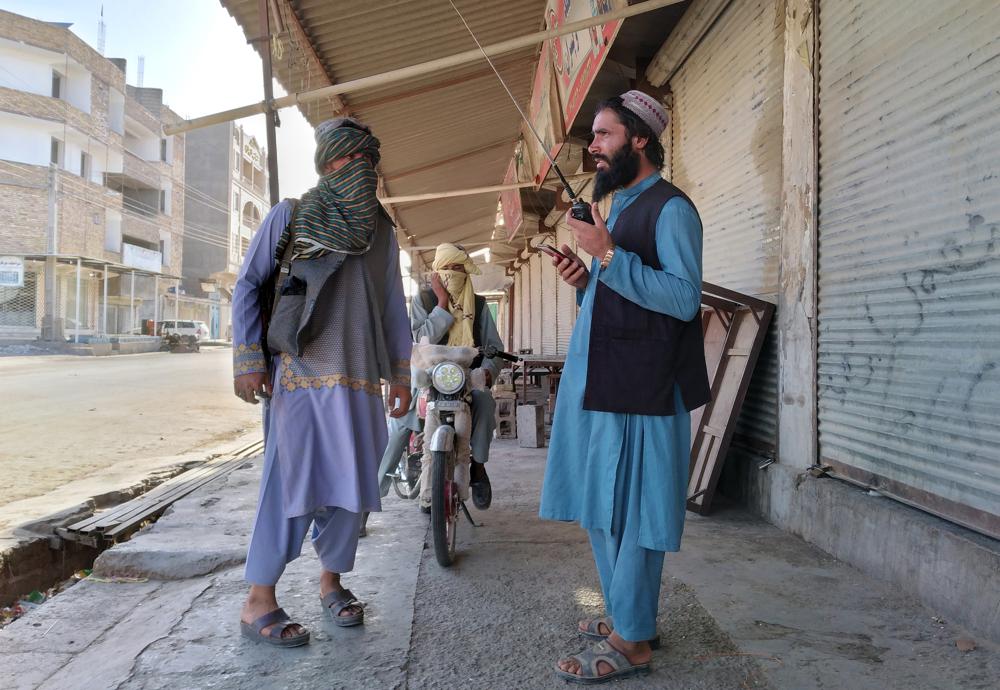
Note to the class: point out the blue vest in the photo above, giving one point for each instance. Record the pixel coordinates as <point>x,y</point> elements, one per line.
<point>637,355</point>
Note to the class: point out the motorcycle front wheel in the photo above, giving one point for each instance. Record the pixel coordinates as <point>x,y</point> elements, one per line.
<point>406,485</point>
<point>444,507</point>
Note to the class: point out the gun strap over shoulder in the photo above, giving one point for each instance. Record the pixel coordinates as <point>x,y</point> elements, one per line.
<point>284,265</point>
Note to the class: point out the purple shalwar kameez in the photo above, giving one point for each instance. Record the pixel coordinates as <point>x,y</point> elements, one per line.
<point>325,424</point>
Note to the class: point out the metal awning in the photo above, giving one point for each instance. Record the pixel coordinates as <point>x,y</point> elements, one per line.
<point>453,129</point>
<point>96,264</point>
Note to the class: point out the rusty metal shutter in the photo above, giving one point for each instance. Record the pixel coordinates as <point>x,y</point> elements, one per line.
<point>726,155</point>
<point>549,304</point>
<point>909,251</point>
<point>566,316</point>
<point>525,275</point>
<point>535,304</point>
<point>518,290</point>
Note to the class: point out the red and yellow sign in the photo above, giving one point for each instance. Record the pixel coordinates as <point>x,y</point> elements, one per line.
<point>577,57</point>
<point>545,114</point>
<point>567,67</point>
<point>510,200</point>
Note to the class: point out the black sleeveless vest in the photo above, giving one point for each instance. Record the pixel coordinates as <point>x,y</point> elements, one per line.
<point>429,300</point>
<point>637,355</point>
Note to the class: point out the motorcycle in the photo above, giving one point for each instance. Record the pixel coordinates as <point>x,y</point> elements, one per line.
<point>175,342</point>
<point>444,372</point>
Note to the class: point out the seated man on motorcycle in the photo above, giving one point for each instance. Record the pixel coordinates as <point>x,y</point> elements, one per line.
<point>451,313</point>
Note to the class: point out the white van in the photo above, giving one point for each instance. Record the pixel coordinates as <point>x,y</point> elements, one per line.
<point>196,328</point>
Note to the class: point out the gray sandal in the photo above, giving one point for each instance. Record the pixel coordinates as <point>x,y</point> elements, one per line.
<point>336,601</point>
<point>593,631</point>
<point>590,658</point>
<point>280,622</point>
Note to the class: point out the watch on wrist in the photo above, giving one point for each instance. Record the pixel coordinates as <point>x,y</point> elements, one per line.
<point>608,256</point>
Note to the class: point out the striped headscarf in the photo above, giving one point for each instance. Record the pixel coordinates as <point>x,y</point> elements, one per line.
<point>338,214</point>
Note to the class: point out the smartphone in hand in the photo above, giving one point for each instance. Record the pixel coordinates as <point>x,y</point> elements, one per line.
<point>552,251</point>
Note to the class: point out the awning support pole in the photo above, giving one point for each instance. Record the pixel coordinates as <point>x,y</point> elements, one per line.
<point>271,115</point>
<point>131,304</point>
<point>76,330</point>
<point>470,192</point>
<point>105,307</point>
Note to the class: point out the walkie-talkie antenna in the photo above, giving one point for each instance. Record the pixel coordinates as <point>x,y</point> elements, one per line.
<point>569,190</point>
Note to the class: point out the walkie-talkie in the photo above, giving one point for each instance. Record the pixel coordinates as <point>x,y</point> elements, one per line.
<point>580,209</point>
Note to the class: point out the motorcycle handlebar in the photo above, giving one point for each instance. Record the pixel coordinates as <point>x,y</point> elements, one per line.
<point>490,352</point>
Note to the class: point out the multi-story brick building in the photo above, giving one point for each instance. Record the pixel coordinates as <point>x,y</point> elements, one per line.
<point>91,190</point>
<point>225,178</point>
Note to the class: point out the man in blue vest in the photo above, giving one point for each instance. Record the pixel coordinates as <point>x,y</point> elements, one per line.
<point>618,457</point>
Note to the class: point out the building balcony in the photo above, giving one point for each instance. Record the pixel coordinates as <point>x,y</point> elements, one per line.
<point>135,224</point>
<point>146,172</point>
<point>48,108</point>
<point>136,174</point>
<point>79,187</point>
<point>137,112</point>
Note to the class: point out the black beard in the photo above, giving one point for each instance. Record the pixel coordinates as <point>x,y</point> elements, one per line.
<point>622,169</point>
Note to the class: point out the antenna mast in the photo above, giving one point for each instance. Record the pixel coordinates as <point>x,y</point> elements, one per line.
<point>101,32</point>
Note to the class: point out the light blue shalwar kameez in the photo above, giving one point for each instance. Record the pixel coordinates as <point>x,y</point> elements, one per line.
<point>623,477</point>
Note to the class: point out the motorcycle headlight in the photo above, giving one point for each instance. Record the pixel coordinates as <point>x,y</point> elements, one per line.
<point>448,377</point>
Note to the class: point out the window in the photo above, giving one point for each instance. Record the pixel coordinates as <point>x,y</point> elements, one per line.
<point>56,152</point>
<point>85,165</point>
<point>165,249</point>
<point>57,84</point>
<point>163,150</point>
<point>236,201</point>
<point>163,201</point>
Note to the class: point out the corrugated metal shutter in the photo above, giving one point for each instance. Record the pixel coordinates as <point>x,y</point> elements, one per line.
<point>566,316</point>
<point>525,304</point>
<point>518,288</point>
<point>726,154</point>
<point>536,304</point>
<point>549,305</point>
<point>909,239</point>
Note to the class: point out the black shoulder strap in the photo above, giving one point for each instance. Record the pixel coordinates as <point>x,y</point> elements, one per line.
<point>285,260</point>
<point>286,254</point>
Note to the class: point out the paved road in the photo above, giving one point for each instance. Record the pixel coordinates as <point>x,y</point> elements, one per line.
<point>67,419</point>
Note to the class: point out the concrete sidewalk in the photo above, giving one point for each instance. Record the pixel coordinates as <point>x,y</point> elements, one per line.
<point>744,605</point>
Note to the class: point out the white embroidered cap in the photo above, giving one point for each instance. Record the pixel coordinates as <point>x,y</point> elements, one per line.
<point>647,108</point>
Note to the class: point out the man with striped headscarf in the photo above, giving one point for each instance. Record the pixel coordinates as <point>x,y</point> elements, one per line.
<point>324,417</point>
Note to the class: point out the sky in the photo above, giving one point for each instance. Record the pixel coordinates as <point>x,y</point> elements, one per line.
<point>197,54</point>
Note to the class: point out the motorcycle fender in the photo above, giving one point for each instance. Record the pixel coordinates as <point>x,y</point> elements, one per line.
<point>443,439</point>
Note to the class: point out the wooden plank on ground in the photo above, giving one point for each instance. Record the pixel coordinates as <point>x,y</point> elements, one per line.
<point>116,522</point>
